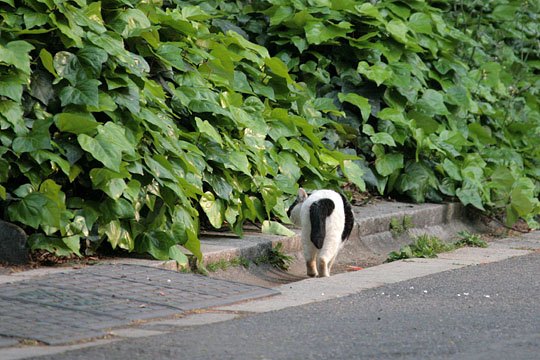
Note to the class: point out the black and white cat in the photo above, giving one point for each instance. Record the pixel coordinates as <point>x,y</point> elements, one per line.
<point>326,219</point>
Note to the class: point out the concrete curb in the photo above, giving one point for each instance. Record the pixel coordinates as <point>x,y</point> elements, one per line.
<point>373,235</point>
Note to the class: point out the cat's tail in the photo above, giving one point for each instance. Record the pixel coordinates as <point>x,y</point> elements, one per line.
<point>318,212</point>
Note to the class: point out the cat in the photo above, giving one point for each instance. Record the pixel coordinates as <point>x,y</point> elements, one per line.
<point>326,220</point>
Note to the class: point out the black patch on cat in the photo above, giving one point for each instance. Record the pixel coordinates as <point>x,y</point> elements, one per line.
<point>349,219</point>
<point>318,212</point>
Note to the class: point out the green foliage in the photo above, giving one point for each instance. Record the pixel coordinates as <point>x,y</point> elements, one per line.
<point>427,246</point>
<point>437,98</point>
<point>135,122</point>
<point>400,226</point>
<point>424,246</point>
<point>225,265</point>
<point>471,240</point>
<point>275,257</point>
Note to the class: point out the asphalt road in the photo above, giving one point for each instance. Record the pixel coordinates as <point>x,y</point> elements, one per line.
<point>479,312</point>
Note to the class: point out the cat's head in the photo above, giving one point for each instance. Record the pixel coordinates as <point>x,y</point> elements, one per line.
<point>294,209</point>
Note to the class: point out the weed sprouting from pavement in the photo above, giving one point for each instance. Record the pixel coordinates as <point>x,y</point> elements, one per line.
<point>275,257</point>
<point>424,246</point>
<point>472,240</point>
<point>428,246</point>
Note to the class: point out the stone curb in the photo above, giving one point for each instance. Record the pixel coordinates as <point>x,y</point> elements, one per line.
<point>372,236</point>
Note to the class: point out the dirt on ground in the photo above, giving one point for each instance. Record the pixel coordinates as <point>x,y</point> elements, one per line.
<point>268,276</point>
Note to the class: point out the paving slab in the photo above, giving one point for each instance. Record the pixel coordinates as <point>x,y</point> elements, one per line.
<point>74,305</point>
<point>482,255</point>
<point>529,241</point>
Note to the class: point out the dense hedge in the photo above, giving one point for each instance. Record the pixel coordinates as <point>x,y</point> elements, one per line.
<point>440,98</point>
<point>131,121</point>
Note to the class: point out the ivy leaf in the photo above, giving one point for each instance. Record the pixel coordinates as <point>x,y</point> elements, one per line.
<point>398,29</point>
<point>16,53</point>
<point>452,169</point>
<point>43,155</point>
<point>170,53</point>
<point>206,128</point>
<point>47,61</point>
<point>111,42</point>
<point>41,86</point>
<point>76,123</point>
<point>13,113</point>
<point>32,142</point>
<point>130,22</point>
<point>128,98</point>
<point>237,160</point>
<point>394,115</point>
<point>275,228</point>
<point>116,209</point>
<point>383,138</point>
<point>523,199</point>
<point>417,181</point>
<point>108,146</point>
<point>279,68</point>
<point>505,12</point>
<point>432,103</point>
<point>12,86</point>
<point>60,247</point>
<point>213,208</point>
<point>67,65</point>
<point>378,72</point>
<point>359,101</point>
<point>481,133</point>
<point>83,93</point>
<point>176,254</point>
<point>354,173</point>
<point>387,164</point>
<point>118,236</point>
<point>318,33</point>
<point>420,23</point>
<point>93,59</point>
<point>185,230</point>
<point>156,243</point>
<point>112,183</point>
<point>35,209</point>
<point>470,194</point>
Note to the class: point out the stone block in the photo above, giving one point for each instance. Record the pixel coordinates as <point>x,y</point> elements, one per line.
<point>13,248</point>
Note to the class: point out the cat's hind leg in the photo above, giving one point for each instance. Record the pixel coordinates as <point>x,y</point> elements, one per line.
<point>324,269</point>
<point>328,254</point>
<point>310,254</point>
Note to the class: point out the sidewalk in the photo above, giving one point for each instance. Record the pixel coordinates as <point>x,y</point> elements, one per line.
<point>146,293</point>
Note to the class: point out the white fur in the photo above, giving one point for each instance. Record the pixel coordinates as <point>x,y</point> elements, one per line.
<point>319,262</point>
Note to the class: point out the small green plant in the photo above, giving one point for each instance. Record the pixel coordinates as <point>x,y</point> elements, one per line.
<point>275,257</point>
<point>399,226</point>
<point>226,264</point>
<point>472,240</point>
<point>424,246</point>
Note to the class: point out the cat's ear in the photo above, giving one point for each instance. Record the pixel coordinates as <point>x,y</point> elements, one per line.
<point>302,194</point>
